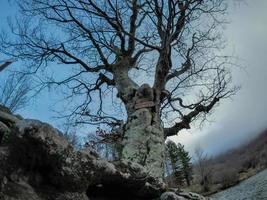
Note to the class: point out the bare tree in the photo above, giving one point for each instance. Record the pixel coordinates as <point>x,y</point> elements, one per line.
<point>176,42</point>
<point>204,168</point>
<point>14,92</point>
<point>71,135</point>
<point>14,89</point>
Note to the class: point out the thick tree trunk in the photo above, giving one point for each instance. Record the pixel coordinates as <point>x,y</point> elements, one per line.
<point>143,142</point>
<point>143,138</point>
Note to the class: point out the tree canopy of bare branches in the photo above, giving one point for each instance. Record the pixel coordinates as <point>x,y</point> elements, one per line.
<point>105,42</point>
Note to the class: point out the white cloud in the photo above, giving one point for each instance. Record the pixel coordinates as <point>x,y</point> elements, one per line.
<point>243,118</point>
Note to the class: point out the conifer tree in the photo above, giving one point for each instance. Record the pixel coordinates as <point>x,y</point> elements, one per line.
<point>173,155</point>
<point>186,165</point>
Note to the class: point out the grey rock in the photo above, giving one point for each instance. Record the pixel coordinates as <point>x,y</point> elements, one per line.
<point>8,118</point>
<point>191,195</point>
<point>20,190</point>
<point>40,156</point>
<point>72,196</point>
<point>171,196</point>
<point>5,109</point>
<point>254,188</point>
<point>4,151</point>
<point>19,117</point>
<point>4,131</point>
<point>67,165</point>
<point>40,164</point>
<point>181,196</point>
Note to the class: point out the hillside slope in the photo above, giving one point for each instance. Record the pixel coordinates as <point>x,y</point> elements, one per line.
<point>254,188</point>
<point>233,166</point>
<point>240,163</point>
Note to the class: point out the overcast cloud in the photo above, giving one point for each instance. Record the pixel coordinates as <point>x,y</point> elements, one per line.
<point>238,120</point>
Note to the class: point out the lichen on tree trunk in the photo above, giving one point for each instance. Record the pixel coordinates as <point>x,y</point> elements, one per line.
<point>143,134</point>
<point>143,142</point>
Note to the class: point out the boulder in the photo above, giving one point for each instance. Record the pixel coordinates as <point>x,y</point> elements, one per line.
<point>4,131</point>
<point>38,163</point>
<point>5,109</point>
<point>191,195</point>
<point>181,196</point>
<point>39,158</point>
<point>171,196</point>
<point>19,190</point>
<point>8,118</point>
<point>72,196</point>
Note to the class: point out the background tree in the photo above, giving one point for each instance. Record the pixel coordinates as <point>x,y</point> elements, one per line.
<point>204,168</point>
<point>70,133</point>
<point>186,165</point>
<point>105,143</point>
<point>14,89</point>
<point>171,46</point>
<point>176,165</point>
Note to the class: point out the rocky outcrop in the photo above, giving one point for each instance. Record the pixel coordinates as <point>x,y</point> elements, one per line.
<point>35,158</point>
<point>179,195</point>
<point>251,188</point>
<point>6,121</point>
<point>171,196</point>
<point>38,163</point>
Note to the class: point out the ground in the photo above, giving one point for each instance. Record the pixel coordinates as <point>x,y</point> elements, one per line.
<point>254,188</point>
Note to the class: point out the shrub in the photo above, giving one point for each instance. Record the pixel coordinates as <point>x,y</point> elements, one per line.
<point>228,177</point>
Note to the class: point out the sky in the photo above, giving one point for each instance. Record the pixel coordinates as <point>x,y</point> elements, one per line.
<point>236,120</point>
<point>242,118</point>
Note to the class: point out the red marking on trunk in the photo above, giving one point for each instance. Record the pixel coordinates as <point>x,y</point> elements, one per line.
<point>145,104</point>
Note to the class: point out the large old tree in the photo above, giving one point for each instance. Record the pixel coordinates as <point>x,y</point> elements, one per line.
<point>160,59</point>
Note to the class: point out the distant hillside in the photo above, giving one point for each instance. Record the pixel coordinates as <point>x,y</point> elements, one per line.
<point>246,189</point>
<point>240,163</point>
<point>233,166</point>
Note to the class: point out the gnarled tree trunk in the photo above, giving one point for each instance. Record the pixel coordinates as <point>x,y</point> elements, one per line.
<point>143,134</point>
<point>144,142</point>
<point>143,139</point>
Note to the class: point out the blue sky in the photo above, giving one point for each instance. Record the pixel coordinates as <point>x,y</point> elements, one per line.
<point>234,121</point>
<point>43,105</point>
<point>47,105</point>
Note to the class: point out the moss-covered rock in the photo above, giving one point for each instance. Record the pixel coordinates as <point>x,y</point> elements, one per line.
<point>4,132</point>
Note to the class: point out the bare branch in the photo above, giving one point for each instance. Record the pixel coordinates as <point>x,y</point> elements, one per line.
<point>6,63</point>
